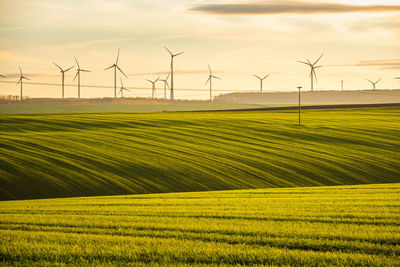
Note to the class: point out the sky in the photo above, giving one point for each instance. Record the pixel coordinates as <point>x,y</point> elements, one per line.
<point>360,40</point>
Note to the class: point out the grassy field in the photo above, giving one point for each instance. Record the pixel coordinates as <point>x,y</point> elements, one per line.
<point>44,156</point>
<point>340,225</point>
<point>101,108</point>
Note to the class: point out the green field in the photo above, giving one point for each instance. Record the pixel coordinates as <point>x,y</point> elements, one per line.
<point>64,155</point>
<point>101,108</point>
<point>344,225</point>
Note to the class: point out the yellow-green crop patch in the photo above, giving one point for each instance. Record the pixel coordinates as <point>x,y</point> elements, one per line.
<point>65,155</point>
<point>340,225</point>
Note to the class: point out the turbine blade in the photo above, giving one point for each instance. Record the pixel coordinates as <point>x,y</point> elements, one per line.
<point>209,69</point>
<point>6,77</point>
<point>76,75</point>
<point>370,81</point>
<point>303,62</point>
<point>58,66</point>
<point>256,76</point>
<point>26,78</point>
<point>77,63</point>
<point>168,51</point>
<point>318,59</point>
<point>397,77</point>
<point>109,67</point>
<point>68,69</point>
<point>178,54</point>
<point>19,80</point>
<point>378,80</point>
<point>122,85</point>
<point>169,73</point>
<point>20,70</point>
<point>266,76</point>
<point>85,70</point>
<point>209,77</point>
<point>216,77</point>
<point>122,72</point>
<point>149,81</point>
<point>116,62</point>
<point>315,75</point>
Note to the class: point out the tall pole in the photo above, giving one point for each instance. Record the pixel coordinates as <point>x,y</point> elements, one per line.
<point>341,84</point>
<point>115,82</point>
<point>21,91</point>
<point>152,91</point>
<point>210,89</point>
<point>261,82</point>
<point>312,83</point>
<point>79,85</point>
<point>62,85</point>
<point>165,90</point>
<point>172,77</point>
<point>299,87</point>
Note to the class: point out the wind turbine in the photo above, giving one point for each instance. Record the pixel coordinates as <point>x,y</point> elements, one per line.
<point>153,88</point>
<point>172,70</point>
<point>165,81</point>
<point>78,74</point>
<point>121,91</point>
<point>62,75</point>
<point>261,80</point>
<point>209,80</point>
<point>313,67</point>
<point>20,81</point>
<point>115,66</point>
<point>374,83</point>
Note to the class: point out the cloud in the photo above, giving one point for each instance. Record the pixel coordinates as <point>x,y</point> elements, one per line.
<point>288,7</point>
<point>379,63</point>
<point>84,44</point>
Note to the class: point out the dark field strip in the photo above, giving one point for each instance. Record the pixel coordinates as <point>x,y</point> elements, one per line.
<point>64,155</point>
<point>340,226</point>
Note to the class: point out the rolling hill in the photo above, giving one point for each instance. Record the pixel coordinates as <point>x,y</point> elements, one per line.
<point>66,155</point>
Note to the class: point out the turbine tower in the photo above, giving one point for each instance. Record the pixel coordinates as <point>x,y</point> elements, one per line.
<point>121,91</point>
<point>153,88</point>
<point>313,67</point>
<point>172,70</point>
<point>165,81</point>
<point>63,76</point>
<point>115,66</point>
<point>374,83</point>
<point>20,81</point>
<point>209,80</point>
<point>78,74</point>
<point>261,80</point>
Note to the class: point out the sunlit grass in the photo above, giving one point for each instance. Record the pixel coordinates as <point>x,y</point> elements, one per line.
<point>58,155</point>
<point>346,225</point>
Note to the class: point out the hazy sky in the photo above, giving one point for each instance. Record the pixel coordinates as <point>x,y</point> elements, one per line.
<point>360,39</point>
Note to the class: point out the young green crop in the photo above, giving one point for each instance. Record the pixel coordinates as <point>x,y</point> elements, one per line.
<point>59,155</point>
<point>340,225</point>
